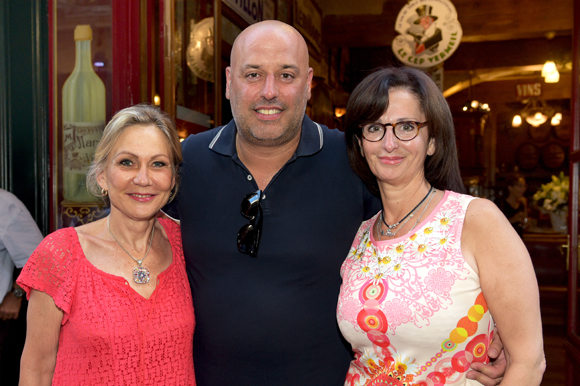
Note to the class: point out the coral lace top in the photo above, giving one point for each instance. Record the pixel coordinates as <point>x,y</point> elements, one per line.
<point>411,307</point>
<point>111,335</point>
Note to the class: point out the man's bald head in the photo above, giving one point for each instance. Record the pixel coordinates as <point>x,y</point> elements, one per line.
<point>264,29</point>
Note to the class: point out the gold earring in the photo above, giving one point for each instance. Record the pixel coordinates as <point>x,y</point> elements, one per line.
<point>104,192</point>
<point>172,196</point>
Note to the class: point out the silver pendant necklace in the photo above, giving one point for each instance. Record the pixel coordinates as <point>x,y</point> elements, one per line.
<point>389,231</point>
<point>141,275</point>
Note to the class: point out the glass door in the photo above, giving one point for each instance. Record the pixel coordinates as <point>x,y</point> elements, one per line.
<point>99,54</point>
<point>81,94</point>
<point>196,78</point>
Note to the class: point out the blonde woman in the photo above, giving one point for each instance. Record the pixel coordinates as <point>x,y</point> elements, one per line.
<point>109,301</point>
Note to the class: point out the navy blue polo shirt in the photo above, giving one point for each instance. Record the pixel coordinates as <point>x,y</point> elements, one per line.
<point>269,320</point>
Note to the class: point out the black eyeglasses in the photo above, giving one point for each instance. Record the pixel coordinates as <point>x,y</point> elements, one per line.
<point>249,234</point>
<point>404,131</point>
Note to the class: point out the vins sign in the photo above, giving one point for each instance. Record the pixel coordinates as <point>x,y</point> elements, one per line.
<point>526,90</point>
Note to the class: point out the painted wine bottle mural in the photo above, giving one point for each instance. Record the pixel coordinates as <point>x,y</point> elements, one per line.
<point>83,116</point>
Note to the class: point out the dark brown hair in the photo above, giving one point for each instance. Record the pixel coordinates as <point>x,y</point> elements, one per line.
<point>513,179</point>
<point>370,100</point>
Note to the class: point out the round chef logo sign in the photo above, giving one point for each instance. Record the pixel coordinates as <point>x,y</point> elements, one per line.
<point>429,33</point>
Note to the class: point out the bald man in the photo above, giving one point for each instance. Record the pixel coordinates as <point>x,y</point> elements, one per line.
<point>268,208</point>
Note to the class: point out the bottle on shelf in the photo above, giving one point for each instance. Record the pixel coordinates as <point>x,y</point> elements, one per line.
<point>83,118</point>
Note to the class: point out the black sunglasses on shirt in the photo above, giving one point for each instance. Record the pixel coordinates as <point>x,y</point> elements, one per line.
<point>249,234</point>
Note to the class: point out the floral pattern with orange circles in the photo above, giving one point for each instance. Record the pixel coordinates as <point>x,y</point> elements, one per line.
<point>408,282</point>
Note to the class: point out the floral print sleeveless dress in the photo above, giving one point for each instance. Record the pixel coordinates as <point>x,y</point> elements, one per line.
<point>411,307</point>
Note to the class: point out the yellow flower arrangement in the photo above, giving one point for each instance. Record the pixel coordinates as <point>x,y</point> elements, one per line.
<point>553,196</point>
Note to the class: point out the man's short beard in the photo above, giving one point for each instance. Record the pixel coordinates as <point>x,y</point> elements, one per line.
<point>288,134</point>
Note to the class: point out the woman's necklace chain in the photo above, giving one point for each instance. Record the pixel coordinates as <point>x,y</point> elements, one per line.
<point>141,275</point>
<point>405,219</point>
<point>389,231</point>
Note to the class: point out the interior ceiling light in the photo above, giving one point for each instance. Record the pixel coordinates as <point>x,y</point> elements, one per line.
<point>473,105</point>
<point>554,77</point>
<point>517,121</point>
<point>537,112</point>
<point>549,67</point>
<point>537,119</point>
<point>339,111</point>
<point>556,119</point>
<point>550,72</point>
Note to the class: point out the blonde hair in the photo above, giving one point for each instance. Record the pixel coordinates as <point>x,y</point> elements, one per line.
<point>141,115</point>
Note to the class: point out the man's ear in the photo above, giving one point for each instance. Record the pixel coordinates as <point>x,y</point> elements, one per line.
<point>228,81</point>
<point>309,82</point>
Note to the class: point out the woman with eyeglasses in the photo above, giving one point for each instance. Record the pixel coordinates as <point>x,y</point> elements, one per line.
<point>110,303</point>
<point>429,276</point>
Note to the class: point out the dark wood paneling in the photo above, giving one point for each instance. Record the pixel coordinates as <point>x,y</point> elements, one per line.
<point>521,52</point>
<point>572,360</point>
<point>548,258</point>
<point>126,54</point>
<point>489,20</point>
<point>482,57</point>
<point>505,91</point>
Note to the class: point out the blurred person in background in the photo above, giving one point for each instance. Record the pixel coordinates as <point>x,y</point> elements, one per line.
<point>513,204</point>
<point>19,237</point>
